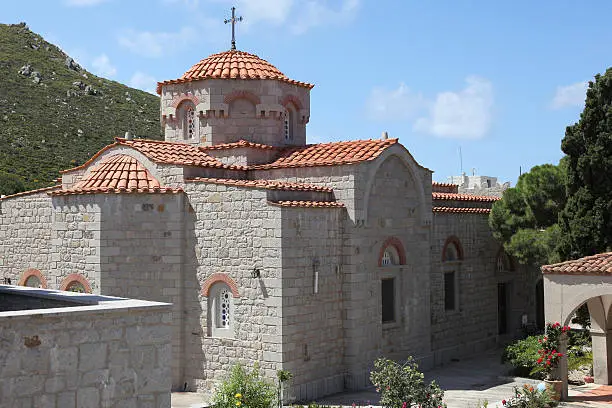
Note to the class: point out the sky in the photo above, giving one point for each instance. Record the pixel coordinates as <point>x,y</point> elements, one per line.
<point>497,81</point>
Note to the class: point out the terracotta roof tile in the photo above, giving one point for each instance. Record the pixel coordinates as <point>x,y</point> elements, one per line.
<point>25,193</point>
<point>463,197</point>
<point>329,154</point>
<point>461,210</point>
<point>233,64</point>
<point>600,264</point>
<point>117,174</point>
<point>444,187</point>
<point>239,144</point>
<point>265,184</point>
<point>310,204</point>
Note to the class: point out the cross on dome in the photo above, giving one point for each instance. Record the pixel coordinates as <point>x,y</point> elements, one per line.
<point>233,20</point>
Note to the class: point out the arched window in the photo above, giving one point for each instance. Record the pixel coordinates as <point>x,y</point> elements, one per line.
<point>390,257</point>
<point>33,278</point>
<point>290,116</point>
<point>75,283</point>
<point>221,310</point>
<point>190,120</point>
<point>452,250</point>
<point>503,262</point>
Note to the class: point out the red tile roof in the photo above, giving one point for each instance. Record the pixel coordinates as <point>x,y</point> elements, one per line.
<point>600,264</point>
<point>329,154</point>
<point>461,210</point>
<point>463,197</point>
<point>238,144</point>
<point>117,174</point>
<point>444,187</point>
<point>310,204</point>
<point>265,184</point>
<point>25,193</point>
<point>232,64</point>
<point>162,152</point>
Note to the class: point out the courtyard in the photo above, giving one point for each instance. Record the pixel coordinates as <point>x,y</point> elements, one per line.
<point>467,383</point>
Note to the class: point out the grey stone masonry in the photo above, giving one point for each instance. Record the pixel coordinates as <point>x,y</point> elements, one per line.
<point>101,352</point>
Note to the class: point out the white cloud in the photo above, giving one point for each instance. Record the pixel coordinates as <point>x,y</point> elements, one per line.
<point>143,81</point>
<point>157,44</point>
<point>466,114</point>
<point>396,104</point>
<point>103,67</point>
<point>316,13</point>
<point>570,95</point>
<point>83,3</point>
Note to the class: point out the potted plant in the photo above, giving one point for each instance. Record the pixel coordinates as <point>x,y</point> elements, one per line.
<point>550,356</point>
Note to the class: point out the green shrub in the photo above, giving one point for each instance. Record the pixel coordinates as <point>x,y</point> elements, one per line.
<point>523,356</point>
<point>402,385</point>
<point>245,389</point>
<point>529,397</point>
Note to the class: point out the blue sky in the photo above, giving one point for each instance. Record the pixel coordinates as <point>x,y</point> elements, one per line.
<point>500,79</point>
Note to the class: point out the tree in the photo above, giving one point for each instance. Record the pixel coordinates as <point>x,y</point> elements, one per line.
<point>10,184</point>
<point>586,221</point>
<point>525,219</point>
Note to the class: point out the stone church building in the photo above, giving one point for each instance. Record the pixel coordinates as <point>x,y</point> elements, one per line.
<point>313,258</point>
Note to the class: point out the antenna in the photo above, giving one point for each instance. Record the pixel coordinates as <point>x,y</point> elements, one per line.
<point>461,160</point>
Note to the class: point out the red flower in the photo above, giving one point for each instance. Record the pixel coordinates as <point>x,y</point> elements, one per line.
<point>539,360</point>
<point>504,402</point>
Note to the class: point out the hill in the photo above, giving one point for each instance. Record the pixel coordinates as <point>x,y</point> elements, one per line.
<point>54,114</point>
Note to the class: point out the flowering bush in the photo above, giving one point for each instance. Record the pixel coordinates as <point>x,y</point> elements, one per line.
<point>549,354</point>
<point>245,389</point>
<point>403,385</point>
<point>530,397</point>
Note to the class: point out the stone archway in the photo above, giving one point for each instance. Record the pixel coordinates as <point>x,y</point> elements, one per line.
<point>567,286</point>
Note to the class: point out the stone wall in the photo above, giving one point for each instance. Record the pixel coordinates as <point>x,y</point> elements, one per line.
<point>312,311</point>
<point>473,324</point>
<point>25,235</point>
<point>114,352</point>
<point>230,231</point>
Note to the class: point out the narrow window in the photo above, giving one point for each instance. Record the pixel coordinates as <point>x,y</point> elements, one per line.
<point>75,286</point>
<point>449,291</point>
<point>388,300</point>
<point>224,311</point>
<point>289,122</point>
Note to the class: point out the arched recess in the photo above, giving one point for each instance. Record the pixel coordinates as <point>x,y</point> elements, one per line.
<point>400,152</point>
<point>292,99</point>
<point>452,246</point>
<point>241,108</point>
<point>72,280</point>
<point>503,261</point>
<point>248,95</point>
<point>185,97</point>
<point>31,275</point>
<point>188,119</point>
<point>219,277</point>
<point>399,249</point>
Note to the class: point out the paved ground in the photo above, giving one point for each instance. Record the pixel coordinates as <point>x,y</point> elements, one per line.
<point>467,383</point>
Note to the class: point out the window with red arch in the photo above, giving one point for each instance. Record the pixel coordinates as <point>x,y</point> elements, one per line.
<point>75,283</point>
<point>33,278</point>
<point>392,253</point>
<point>452,250</point>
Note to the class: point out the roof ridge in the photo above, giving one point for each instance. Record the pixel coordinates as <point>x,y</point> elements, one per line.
<point>307,203</point>
<point>262,183</point>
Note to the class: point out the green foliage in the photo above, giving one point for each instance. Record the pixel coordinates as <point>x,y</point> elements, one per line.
<point>40,122</point>
<point>402,385</point>
<point>10,184</point>
<point>243,388</point>
<point>586,221</point>
<point>529,397</point>
<point>523,356</point>
<point>525,219</point>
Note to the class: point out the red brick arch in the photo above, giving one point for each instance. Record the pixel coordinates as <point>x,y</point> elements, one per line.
<point>75,277</point>
<point>33,272</point>
<point>248,95</point>
<point>184,97</point>
<point>292,99</point>
<point>452,240</point>
<point>219,277</point>
<point>399,248</point>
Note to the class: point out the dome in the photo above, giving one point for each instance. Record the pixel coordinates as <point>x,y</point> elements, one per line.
<point>233,65</point>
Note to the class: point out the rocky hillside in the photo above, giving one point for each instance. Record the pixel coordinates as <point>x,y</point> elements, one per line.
<point>54,114</point>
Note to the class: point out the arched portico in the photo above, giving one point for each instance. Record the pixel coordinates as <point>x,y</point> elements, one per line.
<point>569,285</point>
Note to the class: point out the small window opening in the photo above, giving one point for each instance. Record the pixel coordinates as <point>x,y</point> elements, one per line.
<point>33,282</point>
<point>449,291</point>
<point>224,311</point>
<point>75,287</point>
<point>388,300</point>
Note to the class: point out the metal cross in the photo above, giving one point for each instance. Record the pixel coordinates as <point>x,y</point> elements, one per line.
<point>233,20</point>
